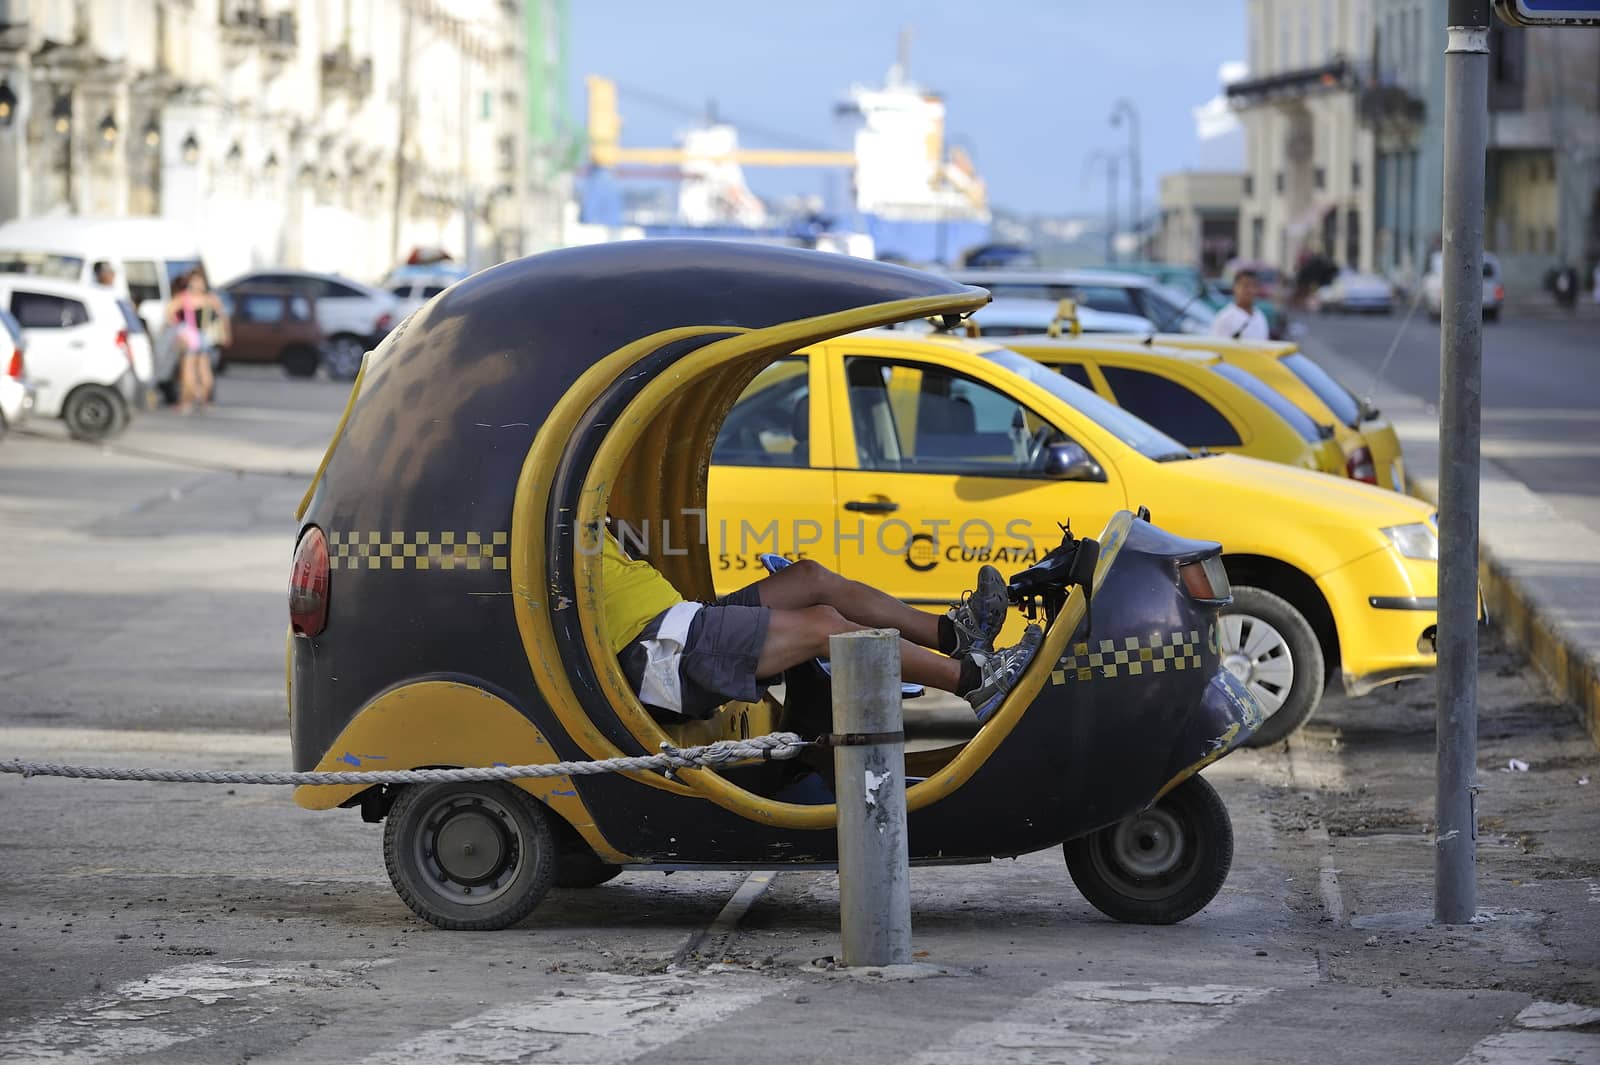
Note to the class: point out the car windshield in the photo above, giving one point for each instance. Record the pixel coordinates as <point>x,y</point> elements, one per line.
<point>1179,310</point>
<point>41,264</point>
<point>1336,396</point>
<point>1140,435</point>
<point>1301,421</point>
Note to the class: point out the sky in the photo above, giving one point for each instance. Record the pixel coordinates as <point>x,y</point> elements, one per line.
<point>1029,84</point>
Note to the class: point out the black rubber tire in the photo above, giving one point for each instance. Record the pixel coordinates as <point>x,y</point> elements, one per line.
<point>512,886</point>
<point>1305,656</point>
<point>576,869</point>
<point>300,361</point>
<point>1194,821</point>
<point>94,412</point>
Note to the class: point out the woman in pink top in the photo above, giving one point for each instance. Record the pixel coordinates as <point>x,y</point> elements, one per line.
<point>192,313</point>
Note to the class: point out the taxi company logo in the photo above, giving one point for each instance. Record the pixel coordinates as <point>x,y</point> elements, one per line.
<point>922,552</point>
<point>1130,657</point>
<point>420,550</point>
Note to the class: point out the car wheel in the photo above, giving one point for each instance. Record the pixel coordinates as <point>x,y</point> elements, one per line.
<point>469,857</point>
<point>1159,866</point>
<point>300,361</point>
<point>94,412</point>
<point>1273,650</point>
<point>344,356</point>
<point>1491,314</point>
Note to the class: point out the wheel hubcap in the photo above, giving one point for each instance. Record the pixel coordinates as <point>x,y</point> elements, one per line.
<point>469,848</point>
<point>95,413</point>
<point>1258,654</point>
<point>1150,845</point>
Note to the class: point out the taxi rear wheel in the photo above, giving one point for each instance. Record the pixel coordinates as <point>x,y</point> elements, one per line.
<point>1159,866</point>
<point>1273,650</point>
<point>469,857</point>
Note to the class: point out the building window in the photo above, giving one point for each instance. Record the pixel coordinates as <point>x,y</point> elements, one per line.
<point>1249,184</point>
<point>1278,182</point>
<point>1352,236</point>
<point>1550,240</point>
<point>1320,177</point>
<point>1258,231</point>
<point>1355,175</point>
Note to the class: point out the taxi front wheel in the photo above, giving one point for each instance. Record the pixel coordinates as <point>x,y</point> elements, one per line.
<point>1159,866</point>
<point>469,857</point>
<point>1273,650</point>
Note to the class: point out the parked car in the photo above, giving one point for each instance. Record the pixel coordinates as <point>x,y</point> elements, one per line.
<point>412,289</point>
<point>1494,289</point>
<point>1023,317</point>
<point>81,358</point>
<point>1097,290</point>
<point>353,316</point>
<point>1192,397</point>
<point>927,455</point>
<point>1352,290</point>
<point>16,395</point>
<point>147,255</point>
<point>271,324</point>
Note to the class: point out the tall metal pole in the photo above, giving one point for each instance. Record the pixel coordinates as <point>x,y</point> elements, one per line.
<point>1466,121</point>
<point>870,786</point>
<point>1124,107</point>
<point>1111,211</point>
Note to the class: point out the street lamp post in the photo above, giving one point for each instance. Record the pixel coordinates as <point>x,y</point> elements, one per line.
<point>1124,108</point>
<point>1110,161</point>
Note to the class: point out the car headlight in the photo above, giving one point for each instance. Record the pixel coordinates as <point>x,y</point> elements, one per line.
<point>1416,540</point>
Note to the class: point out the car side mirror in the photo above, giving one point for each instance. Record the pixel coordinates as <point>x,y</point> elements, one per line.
<point>1067,461</point>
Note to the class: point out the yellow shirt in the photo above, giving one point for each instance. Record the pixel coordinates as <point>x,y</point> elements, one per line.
<point>634,593</point>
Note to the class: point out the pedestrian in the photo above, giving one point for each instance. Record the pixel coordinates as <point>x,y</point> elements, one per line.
<point>201,325</point>
<point>104,275</point>
<point>1241,318</point>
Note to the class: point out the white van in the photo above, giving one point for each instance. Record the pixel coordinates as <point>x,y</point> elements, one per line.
<point>148,255</point>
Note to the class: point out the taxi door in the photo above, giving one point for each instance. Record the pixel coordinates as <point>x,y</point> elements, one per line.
<point>771,481</point>
<point>940,472</point>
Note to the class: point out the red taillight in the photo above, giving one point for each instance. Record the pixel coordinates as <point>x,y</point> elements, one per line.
<point>1359,466</point>
<point>1499,293</point>
<point>308,584</point>
<point>384,322</point>
<point>127,349</point>
<point>1206,579</point>
<point>16,370</point>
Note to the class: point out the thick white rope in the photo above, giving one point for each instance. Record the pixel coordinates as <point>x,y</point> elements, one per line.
<point>777,745</point>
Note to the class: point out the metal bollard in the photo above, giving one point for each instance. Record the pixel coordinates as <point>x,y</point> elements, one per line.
<point>869,780</point>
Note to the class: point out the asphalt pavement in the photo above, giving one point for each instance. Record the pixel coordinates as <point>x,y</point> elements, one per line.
<point>142,620</point>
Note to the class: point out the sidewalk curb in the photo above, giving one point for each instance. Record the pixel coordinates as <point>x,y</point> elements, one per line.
<point>1540,571</point>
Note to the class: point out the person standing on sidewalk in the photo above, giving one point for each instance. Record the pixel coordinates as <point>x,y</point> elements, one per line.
<point>1241,319</point>
<point>200,322</point>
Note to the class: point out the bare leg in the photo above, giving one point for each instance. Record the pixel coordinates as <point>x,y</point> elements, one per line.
<point>799,635</point>
<point>186,382</point>
<point>808,584</point>
<point>204,380</point>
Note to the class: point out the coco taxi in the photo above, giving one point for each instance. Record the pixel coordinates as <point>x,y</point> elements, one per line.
<point>906,462</point>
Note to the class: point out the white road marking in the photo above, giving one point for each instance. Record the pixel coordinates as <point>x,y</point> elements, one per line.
<point>609,1019</point>
<point>1540,1038</point>
<point>171,1006</point>
<point>1092,1023</point>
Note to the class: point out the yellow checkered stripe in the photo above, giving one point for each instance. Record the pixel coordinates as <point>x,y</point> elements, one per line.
<point>418,550</point>
<point>1129,657</point>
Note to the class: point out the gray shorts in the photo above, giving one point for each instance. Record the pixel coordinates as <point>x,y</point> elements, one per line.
<point>719,657</point>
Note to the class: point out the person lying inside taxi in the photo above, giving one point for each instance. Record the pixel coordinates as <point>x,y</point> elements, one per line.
<point>689,658</point>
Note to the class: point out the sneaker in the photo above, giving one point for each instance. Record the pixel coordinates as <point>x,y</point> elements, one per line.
<point>981,615</point>
<point>1001,671</point>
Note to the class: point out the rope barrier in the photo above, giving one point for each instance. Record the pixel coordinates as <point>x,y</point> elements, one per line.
<point>776,746</point>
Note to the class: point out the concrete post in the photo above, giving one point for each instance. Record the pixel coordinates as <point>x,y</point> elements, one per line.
<point>1466,118</point>
<point>869,774</point>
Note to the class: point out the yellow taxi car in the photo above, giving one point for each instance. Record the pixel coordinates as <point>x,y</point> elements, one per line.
<point>1371,446</point>
<point>1193,397</point>
<point>907,461</point>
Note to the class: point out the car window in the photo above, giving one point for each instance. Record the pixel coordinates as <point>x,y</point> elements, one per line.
<point>403,291</point>
<point>1298,419</point>
<point>264,309</point>
<point>41,264</point>
<point>1107,298</point>
<point>143,278</point>
<point>337,290</point>
<point>40,310</point>
<point>1331,392</point>
<point>770,423</point>
<point>1171,407</point>
<point>1140,435</point>
<point>130,318</point>
<point>915,418</point>
<point>300,308</point>
<point>1075,372</point>
<point>430,291</point>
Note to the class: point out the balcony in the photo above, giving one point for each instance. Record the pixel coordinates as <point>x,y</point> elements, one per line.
<point>1291,85</point>
<point>343,73</point>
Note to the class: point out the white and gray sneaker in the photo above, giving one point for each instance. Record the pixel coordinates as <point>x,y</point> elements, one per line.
<point>1001,670</point>
<point>980,615</point>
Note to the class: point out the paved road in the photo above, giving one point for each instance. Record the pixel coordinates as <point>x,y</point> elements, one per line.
<point>141,622</point>
<point>1541,392</point>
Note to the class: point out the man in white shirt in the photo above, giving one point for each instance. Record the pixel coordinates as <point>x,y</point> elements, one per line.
<point>1241,319</point>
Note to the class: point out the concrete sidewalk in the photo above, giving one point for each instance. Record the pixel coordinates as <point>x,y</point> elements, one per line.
<point>1540,570</point>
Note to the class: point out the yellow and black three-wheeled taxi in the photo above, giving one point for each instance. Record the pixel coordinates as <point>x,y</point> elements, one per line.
<point>446,611</point>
